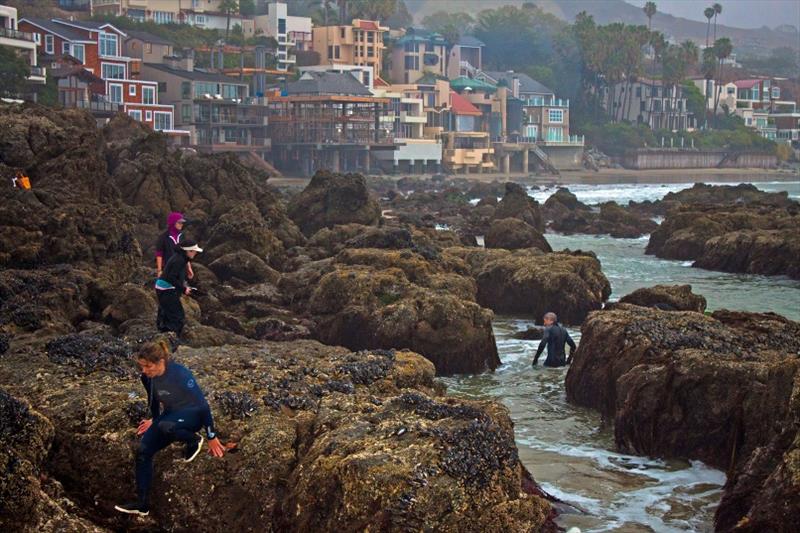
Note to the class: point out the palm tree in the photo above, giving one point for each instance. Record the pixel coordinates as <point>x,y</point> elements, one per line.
<point>717,10</point>
<point>649,10</point>
<point>709,14</point>
<point>228,7</point>
<point>722,50</point>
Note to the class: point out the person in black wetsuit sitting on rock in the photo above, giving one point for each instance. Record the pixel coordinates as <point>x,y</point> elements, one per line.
<point>171,285</point>
<point>185,411</point>
<point>555,338</point>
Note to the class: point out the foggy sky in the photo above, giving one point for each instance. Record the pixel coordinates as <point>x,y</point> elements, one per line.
<point>737,13</point>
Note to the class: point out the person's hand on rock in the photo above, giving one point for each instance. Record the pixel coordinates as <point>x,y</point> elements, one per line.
<point>215,448</point>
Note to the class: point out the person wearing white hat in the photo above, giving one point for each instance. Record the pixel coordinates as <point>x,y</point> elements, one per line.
<point>171,284</point>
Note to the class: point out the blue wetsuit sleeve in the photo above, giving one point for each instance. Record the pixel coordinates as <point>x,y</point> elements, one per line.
<point>571,342</point>
<point>543,342</point>
<point>200,400</point>
<point>152,401</point>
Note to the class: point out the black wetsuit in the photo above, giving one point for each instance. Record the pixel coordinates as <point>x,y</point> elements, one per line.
<point>170,310</point>
<point>185,412</point>
<point>555,338</point>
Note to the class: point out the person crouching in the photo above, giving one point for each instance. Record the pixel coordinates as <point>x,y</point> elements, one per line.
<point>171,285</point>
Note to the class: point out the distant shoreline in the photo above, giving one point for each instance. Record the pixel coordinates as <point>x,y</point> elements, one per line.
<point>609,176</point>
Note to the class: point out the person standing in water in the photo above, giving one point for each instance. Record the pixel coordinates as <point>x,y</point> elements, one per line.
<point>185,411</point>
<point>171,285</point>
<point>167,241</point>
<point>555,338</point>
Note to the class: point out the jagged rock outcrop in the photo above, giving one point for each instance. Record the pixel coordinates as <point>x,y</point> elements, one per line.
<point>244,266</point>
<point>514,234</point>
<point>517,204</point>
<point>327,439</point>
<point>378,299</point>
<point>530,282</point>
<point>743,194</point>
<point>761,240</point>
<point>566,214</point>
<point>719,388</point>
<point>667,298</point>
<point>331,199</point>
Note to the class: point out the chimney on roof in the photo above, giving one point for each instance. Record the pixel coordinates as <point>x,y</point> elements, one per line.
<point>187,61</point>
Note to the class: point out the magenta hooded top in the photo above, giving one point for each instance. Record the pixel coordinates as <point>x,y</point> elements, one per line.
<point>173,235</point>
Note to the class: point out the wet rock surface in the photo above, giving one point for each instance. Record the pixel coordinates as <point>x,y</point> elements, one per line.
<point>667,298</point>
<point>743,194</point>
<point>514,234</point>
<point>566,214</point>
<point>719,388</point>
<point>331,199</point>
<point>327,438</point>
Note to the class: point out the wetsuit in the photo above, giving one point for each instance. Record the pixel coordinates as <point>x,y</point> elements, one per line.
<point>555,337</point>
<point>169,288</point>
<point>185,413</point>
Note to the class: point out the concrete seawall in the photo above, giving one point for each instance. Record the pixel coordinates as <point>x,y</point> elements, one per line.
<point>666,159</point>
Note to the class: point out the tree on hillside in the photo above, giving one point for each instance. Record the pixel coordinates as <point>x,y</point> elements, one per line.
<point>709,14</point>
<point>228,7</point>
<point>722,50</point>
<point>13,71</point>
<point>379,10</point>
<point>717,11</point>
<point>649,10</point>
<point>247,8</point>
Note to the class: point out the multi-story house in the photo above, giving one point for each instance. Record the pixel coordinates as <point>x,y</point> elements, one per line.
<point>650,102</point>
<point>520,85</point>
<point>158,11</point>
<point>416,53</point>
<point>360,43</point>
<point>147,47</point>
<point>22,42</point>
<point>326,120</point>
<point>216,110</point>
<point>97,46</point>
<point>465,146</point>
<point>466,57</point>
<point>726,97</point>
<point>787,122</point>
<point>405,121</point>
<point>755,100</point>
<point>289,31</point>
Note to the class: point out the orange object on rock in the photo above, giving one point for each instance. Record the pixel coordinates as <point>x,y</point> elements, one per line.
<point>24,181</point>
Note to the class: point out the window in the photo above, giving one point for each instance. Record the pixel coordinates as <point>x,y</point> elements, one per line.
<point>108,44</point>
<point>115,93</point>
<point>532,132</point>
<point>342,32</point>
<point>148,116</point>
<point>639,91</point>
<point>162,17</point>
<point>731,90</point>
<point>135,114</point>
<point>48,43</point>
<point>65,47</point>
<point>409,63</point>
<point>79,53</point>
<point>749,121</point>
<point>776,92</point>
<point>556,116</point>
<point>112,71</point>
<point>231,92</point>
<point>148,48</point>
<point>163,121</point>
<point>200,20</point>
<point>370,52</point>
<point>148,95</point>
<point>555,134</point>
<point>281,26</point>
<point>204,88</point>
<point>186,89</point>
<point>186,112</point>
<point>336,52</point>
<point>131,90</point>
<point>136,14</point>
<point>330,51</point>
<point>370,36</point>
<point>641,106</point>
<point>37,38</point>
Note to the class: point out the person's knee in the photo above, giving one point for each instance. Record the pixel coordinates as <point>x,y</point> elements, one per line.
<point>166,427</point>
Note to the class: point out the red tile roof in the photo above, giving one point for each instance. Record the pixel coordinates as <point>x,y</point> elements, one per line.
<point>462,106</point>
<point>380,82</point>
<point>745,84</point>
<point>368,25</point>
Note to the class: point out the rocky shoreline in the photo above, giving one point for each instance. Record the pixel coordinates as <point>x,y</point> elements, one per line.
<point>323,318</point>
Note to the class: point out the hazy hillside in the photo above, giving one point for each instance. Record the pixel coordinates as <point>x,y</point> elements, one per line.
<point>605,11</point>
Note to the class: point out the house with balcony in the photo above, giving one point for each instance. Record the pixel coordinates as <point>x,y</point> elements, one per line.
<point>418,52</point>
<point>146,47</point>
<point>651,102</point>
<point>357,43</point>
<point>97,47</point>
<point>726,98</point>
<point>466,147</point>
<point>327,120</point>
<point>290,32</point>
<point>216,110</point>
<point>405,120</point>
<point>786,118</point>
<point>22,43</point>
<point>158,11</point>
<point>466,57</point>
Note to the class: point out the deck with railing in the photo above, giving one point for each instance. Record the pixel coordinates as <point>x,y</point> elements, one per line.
<point>8,33</point>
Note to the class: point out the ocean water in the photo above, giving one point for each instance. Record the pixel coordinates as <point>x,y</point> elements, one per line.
<point>568,449</point>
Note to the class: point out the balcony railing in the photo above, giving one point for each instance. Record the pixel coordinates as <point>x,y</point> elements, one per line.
<point>16,34</point>
<point>550,102</point>
<point>38,72</point>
